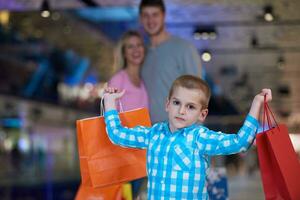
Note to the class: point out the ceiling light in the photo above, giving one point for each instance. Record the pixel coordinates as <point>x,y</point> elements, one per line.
<point>45,9</point>
<point>206,56</point>
<point>268,17</point>
<point>268,13</point>
<point>205,33</point>
<point>45,13</point>
<point>213,35</point>
<point>197,35</point>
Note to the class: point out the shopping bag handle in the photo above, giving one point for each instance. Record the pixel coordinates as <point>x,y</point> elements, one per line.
<point>267,112</point>
<point>102,108</point>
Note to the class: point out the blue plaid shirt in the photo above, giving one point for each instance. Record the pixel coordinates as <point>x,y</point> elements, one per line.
<point>178,162</point>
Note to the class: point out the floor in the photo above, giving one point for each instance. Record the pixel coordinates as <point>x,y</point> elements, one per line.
<point>245,187</point>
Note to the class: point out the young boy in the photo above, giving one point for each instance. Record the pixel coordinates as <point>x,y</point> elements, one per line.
<point>178,151</point>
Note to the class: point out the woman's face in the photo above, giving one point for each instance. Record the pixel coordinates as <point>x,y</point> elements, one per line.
<point>134,51</point>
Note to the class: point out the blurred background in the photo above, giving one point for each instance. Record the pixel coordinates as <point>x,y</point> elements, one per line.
<point>55,56</point>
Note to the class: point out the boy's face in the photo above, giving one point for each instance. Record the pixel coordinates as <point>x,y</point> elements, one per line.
<point>184,108</point>
<point>152,19</point>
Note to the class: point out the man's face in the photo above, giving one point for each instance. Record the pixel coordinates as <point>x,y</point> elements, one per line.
<point>152,19</point>
<point>184,108</point>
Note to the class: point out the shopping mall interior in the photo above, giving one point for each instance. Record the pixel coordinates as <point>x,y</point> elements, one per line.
<point>56,56</point>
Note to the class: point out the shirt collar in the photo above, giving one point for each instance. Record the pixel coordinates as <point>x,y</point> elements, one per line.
<point>182,131</point>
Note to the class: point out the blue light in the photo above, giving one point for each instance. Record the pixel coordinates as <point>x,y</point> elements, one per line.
<point>11,123</point>
<point>91,78</point>
<point>109,14</point>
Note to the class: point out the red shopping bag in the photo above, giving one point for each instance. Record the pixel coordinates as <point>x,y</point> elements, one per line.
<point>103,163</point>
<point>279,165</point>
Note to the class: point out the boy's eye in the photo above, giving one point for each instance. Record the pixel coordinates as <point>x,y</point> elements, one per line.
<point>176,102</point>
<point>191,107</point>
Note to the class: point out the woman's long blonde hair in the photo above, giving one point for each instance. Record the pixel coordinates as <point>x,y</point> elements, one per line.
<point>119,58</point>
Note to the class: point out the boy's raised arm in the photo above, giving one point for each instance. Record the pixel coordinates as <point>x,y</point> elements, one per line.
<point>136,137</point>
<point>223,144</point>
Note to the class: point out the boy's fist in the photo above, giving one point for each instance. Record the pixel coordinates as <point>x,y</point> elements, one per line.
<point>114,91</point>
<point>264,92</point>
<point>110,96</point>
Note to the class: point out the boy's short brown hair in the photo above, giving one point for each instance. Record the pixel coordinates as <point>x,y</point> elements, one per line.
<point>193,82</point>
<point>154,3</point>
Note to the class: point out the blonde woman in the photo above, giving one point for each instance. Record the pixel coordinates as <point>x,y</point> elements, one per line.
<point>129,57</point>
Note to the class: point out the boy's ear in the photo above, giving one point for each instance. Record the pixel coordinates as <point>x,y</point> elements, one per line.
<point>167,105</point>
<point>203,115</point>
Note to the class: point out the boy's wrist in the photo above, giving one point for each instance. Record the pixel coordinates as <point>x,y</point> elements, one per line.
<point>258,100</point>
<point>109,110</point>
<point>109,104</point>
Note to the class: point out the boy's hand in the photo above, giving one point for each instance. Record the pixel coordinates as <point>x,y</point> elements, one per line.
<point>110,97</point>
<point>264,92</point>
<point>113,93</point>
<point>259,98</point>
<point>258,102</point>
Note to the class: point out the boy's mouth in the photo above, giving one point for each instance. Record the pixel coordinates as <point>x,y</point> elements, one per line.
<point>179,119</point>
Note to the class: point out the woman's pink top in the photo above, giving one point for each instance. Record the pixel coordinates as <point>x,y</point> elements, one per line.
<point>134,97</point>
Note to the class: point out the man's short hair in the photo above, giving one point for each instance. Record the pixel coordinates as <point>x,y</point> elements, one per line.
<point>152,3</point>
<point>192,82</point>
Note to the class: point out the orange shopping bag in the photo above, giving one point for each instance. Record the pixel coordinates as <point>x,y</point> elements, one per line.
<point>113,192</point>
<point>103,163</point>
<point>279,165</point>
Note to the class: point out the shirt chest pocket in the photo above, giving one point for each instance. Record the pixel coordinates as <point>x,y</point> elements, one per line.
<point>182,158</point>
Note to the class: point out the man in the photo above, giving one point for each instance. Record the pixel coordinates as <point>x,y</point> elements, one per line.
<point>167,57</point>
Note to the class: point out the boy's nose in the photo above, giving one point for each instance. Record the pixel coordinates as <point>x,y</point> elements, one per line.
<point>182,110</point>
